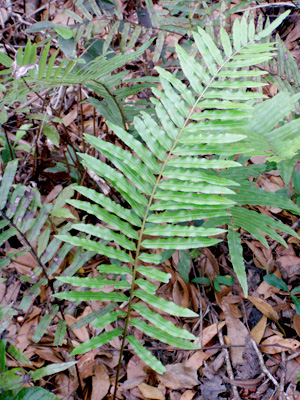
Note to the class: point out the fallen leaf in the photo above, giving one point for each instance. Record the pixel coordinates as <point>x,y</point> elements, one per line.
<point>276,344</point>
<point>178,376</point>
<point>101,383</point>
<point>197,359</point>
<point>151,392</point>
<point>81,333</point>
<point>258,331</point>
<point>264,308</point>
<point>188,395</point>
<point>211,331</point>
<point>236,332</point>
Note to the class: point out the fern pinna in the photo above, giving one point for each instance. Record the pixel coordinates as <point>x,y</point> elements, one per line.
<point>167,185</point>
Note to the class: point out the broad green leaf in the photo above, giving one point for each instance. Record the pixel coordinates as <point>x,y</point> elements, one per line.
<point>179,243</point>
<point>162,323</point>
<point>7,181</point>
<point>92,282</point>
<point>164,305</point>
<point>52,134</point>
<point>114,269</point>
<point>163,336</point>
<point>60,333</point>
<point>99,248</point>
<point>96,341</point>
<point>34,393</point>
<point>105,234</point>
<point>296,302</point>
<point>51,369</point>
<point>145,355</point>
<point>236,253</point>
<point>225,42</point>
<point>107,319</point>
<point>109,205</point>
<point>273,280</point>
<point>87,295</point>
<point>179,230</point>
<point>146,285</point>
<point>106,216</point>
<point>154,273</point>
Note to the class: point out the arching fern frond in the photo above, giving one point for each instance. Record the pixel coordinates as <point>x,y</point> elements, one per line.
<point>166,183</point>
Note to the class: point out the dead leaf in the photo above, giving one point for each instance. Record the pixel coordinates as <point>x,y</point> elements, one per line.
<point>188,395</point>
<point>276,344</point>
<point>211,331</point>
<point>101,383</point>
<point>151,392</point>
<point>236,332</point>
<point>258,331</point>
<point>264,308</point>
<point>197,359</point>
<point>177,376</point>
<point>81,333</point>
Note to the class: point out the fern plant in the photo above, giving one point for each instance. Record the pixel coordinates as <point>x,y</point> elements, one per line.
<point>166,184</point>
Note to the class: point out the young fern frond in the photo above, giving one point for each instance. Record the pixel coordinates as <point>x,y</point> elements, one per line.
<point>166,184</point>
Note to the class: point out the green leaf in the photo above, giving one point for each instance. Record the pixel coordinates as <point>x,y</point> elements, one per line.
<point>65,32</point>
<point>96,341</point>
<point>236,253</point>
<point>162,323</point>
<point>114,269</point>
<point>7,181</point>
<point>99,248</point>
<point>296,303</point>
<point>145,355</point>
<point>184,266</point>
<point>163,336</point>
<point>273,280</point>
<point>92,282</point>
<point>105,234</point>
<point>154,273</point>
<point>109,205</point>
<point>52,134</point>
<point>87,295</point>
<point>164,305</point>
<point>51,369</point>
<point>34,393</point>
<point>179,243</point>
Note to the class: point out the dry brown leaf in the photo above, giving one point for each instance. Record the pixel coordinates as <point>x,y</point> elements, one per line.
<point>81,333</point>
<point>151,392</point>
<point>177,376</point>
<point>210,332</point>
<point>266,290</point>
<point>264,308</point>
<point>101,383</point>
<point>136,368</point>
<point>276,344</point>
<point>131,383</point>
<point>258,331</point>
<point>197,359</point>
<point>236,332</point>
<point>188,395</point>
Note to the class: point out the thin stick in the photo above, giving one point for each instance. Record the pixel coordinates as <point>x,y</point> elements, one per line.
<point>268,5</point>
<point>282,378</point>
<point>262,364</point>
<point>236,395</point>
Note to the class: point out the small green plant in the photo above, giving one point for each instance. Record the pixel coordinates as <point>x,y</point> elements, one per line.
<point>215,282</point>
<point>273,280</point>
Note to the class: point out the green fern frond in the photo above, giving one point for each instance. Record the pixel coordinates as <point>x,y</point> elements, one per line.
<point>164,180</point>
